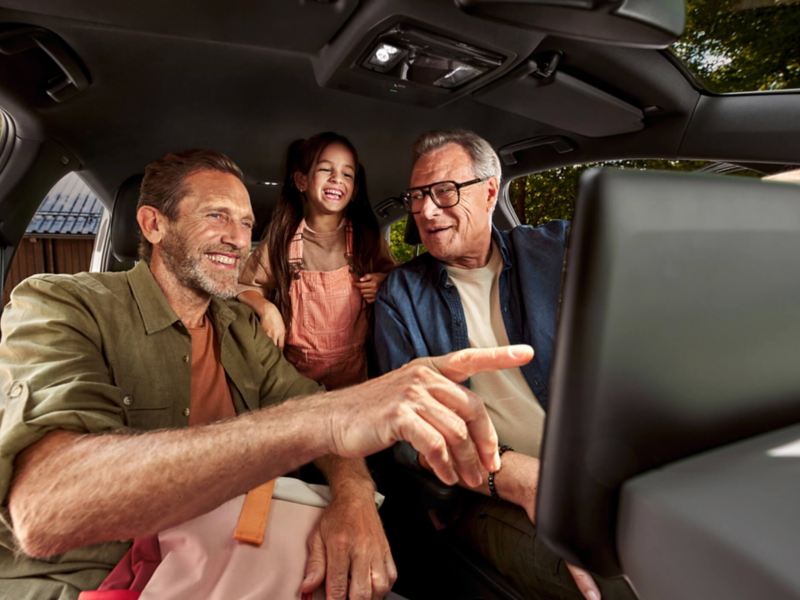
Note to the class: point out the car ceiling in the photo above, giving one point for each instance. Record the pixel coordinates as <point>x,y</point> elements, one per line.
<point>247,77</point>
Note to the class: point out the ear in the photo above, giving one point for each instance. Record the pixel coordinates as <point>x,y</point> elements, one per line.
<point>300,181</point>
<point>492,190</point>
<point>152,222</point>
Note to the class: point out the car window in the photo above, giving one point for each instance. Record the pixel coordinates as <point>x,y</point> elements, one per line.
<point>742,45</point>
<point>401,251</point>
<point>60,237</point>
<point>547,195</point>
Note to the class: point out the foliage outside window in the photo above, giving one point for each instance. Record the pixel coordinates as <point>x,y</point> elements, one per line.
<point>549,195</point>
<point>401,251</point>
<point>742,45</point>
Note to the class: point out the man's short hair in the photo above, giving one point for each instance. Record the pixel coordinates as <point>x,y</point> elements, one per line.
<point>164,183</point>
<point>485,162</point>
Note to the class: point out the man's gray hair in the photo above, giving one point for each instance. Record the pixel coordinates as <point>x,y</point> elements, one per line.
<point>485,162</point>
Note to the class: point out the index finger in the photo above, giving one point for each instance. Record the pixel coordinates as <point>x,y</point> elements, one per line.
<point>462,364</point>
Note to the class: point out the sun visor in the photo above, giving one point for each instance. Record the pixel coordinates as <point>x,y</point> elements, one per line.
<point>632,23</point>
<point>562,100</point>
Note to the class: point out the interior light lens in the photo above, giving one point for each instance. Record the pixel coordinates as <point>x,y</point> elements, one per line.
<point>421,57</point>
<point>385,52</point>
<point>384,57</point>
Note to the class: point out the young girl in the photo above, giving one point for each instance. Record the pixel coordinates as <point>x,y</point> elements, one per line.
<point>320,263</point>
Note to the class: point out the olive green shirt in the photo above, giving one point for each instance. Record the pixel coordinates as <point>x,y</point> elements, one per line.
<point>97,352</point>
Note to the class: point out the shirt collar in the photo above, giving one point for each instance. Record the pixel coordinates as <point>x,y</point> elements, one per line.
<point>156,312</point>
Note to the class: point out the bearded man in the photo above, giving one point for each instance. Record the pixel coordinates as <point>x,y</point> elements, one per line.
<point>134,401</point>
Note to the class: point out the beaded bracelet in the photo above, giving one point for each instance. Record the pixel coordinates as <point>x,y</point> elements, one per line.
<point>490,480</point>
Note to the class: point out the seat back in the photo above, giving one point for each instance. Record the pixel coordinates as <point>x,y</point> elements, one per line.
<point>679,332</point>
<point>124,228</point>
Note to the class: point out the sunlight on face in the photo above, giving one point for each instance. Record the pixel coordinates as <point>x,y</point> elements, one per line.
<point>459,235</point>
<point>329,186</point>
<point>206,245</point>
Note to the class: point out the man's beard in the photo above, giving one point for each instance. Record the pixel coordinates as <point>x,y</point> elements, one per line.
<point>191,272</point>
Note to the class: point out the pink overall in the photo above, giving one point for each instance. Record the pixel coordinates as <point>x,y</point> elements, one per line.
<point>329,322</point>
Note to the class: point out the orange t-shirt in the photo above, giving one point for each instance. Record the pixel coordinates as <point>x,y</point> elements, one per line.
<point>210,397</point>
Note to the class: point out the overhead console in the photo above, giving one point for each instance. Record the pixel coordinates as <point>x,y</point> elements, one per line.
<point>507,54</point>
<point>398,51</point>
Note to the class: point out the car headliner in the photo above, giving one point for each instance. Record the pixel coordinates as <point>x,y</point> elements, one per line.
<point>247,77</point>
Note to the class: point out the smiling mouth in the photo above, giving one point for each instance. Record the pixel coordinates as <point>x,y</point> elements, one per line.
<point>223,260</point>
<point>333,194</point>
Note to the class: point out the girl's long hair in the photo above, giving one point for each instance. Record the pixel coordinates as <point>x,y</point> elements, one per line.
<point>302,156</point>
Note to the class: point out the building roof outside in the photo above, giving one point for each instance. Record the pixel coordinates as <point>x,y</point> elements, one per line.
<point>70,208</point>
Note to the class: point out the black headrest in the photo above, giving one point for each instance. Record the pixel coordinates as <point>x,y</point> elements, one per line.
<point>124,229</point>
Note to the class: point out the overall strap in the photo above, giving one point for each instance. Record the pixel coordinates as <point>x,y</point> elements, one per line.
<point>348,248</point>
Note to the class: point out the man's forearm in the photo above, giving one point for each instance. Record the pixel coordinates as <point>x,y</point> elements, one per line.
<point>72,490</point>
<point>346,475</point>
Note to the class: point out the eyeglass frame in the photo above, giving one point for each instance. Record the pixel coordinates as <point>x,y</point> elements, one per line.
<point>426,191</point>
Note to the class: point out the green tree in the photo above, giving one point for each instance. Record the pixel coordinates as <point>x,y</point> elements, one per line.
<point>551,194</point>
<point>401,251</point>
<point>742,45</point>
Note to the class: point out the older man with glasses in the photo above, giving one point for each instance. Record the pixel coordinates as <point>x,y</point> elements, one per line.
<point>481,287</point>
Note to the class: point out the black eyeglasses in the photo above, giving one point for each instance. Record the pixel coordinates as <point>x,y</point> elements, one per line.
<point>443,193</point>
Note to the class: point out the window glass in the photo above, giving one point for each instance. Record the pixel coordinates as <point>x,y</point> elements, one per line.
<point>60,237</point>
<point>549,195</point>
<point>401,251</point>
<point>742,45</point>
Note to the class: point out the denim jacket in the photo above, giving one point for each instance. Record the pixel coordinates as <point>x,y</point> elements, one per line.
<point>418,311</point>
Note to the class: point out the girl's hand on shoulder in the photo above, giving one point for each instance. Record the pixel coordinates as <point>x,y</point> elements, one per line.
<point>369,284</point>
<point>272,323</point>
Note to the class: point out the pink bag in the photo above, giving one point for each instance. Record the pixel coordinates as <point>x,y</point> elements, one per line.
<point>201,558</point>
<point>204,557</point>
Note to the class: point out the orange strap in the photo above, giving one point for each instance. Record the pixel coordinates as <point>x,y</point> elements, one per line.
<point>252,521</point>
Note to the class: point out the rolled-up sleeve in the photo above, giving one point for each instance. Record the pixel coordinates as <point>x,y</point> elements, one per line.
<point>52,371</point>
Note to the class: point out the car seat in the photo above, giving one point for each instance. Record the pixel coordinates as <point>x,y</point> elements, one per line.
<point>124,228</point>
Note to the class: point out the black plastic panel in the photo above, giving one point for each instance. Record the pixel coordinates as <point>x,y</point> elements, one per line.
<point>679,333</point>
<point>563,101</point>
<point>720,525</point>
<point>738,124</point>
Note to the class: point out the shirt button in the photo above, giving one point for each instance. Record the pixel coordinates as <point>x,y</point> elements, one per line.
<point>127,400</point>
<point>186,358</point>
<point>16,389</point>
<point>186,412</point>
